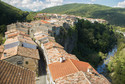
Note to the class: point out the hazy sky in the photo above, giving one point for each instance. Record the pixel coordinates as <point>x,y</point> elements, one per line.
<point>36,5</point>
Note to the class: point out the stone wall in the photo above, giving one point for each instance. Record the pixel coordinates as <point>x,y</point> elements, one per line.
<point>15,60</point>
<point>29,63</point>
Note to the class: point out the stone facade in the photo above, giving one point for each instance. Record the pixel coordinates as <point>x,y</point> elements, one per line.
<point>29,63</point>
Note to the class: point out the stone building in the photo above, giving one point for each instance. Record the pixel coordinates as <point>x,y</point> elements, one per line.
<point>20,49</point>
<point>25,57</point>
<point>18,26</point>
<point>40,38</point>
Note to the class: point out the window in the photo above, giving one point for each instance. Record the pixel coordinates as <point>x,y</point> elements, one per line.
<point>19,62</point>
<point>5,54</point>
<point>26,62</point>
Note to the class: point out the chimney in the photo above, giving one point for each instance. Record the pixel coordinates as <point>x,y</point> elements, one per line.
<point>62,59</point>
<point>89,70</point>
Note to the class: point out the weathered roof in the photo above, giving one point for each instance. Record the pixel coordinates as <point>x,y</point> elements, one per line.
<point>16,33</point>
<point>53,55</point>
<point>74,78</point>
<point>21,51</point>
<point>21,39</point>
<point>11,40</point>
<point>11,74</point>
<point>52,45</point>
<point>55,51</point>
<point>97,78</point>
<point>28,52</point>
<point>66,55</point>
<point>69,66</point>
<point>40,37</point>
<point>14,30</point>
<point>1,48</point>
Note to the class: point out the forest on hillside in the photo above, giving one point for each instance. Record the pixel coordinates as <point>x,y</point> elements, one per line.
<point>115,16</point>
<point>8,15</point>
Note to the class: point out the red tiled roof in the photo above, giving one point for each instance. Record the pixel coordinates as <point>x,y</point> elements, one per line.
<point>69,66</point>
<point>62,69</point>
<point>11,74</point>
<point>44,21</point>
<point>82,66</point>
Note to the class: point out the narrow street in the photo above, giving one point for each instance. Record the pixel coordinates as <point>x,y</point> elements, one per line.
<point>41,79</point>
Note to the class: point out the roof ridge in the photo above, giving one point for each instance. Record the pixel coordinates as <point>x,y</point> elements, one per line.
<point>73,64</point>
<point>26,55</point>
<point>86,77</point>
<point>17,50</point>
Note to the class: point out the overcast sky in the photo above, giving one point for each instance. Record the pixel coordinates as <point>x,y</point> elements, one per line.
<point>37,5</point>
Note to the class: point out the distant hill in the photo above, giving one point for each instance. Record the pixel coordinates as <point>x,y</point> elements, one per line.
<point>10,14</point>
<point>115,16</point>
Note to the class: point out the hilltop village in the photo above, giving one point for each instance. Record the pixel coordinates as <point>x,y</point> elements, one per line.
<point>30,51</point>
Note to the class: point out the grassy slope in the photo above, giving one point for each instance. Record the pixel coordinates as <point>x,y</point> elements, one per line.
<point>115,16</point>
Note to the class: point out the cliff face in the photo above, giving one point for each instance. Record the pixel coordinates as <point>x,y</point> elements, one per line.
<point>67,38</point>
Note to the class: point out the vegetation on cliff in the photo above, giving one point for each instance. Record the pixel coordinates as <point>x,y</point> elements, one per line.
<point>115,16</point>
<point>94,40</point>
<point>116,66</point>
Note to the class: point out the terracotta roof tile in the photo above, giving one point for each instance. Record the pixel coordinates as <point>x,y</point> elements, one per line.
<point>16,33</point>
<point>37,33</point>
<point>11,40</point>
<point>66,55</point>
<point>52,45</point>
<point>14,30</point>
<point>61,69</point>
<point>74,78</point>
<point>43,21</point>
<point>1,48</point>
<point>11,74</point>
<point>82,66</point>
<point>96,78</point>
<point>28,52</point>
<point>22,51</point>
<point>53,55</point>
<point>67,67</point>
<point>9,52</point>
<point>40,37</point>
<point>21,39</point>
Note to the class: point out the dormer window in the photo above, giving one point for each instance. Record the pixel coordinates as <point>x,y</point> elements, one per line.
<point>19,62</point>
<point>5,54</point>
